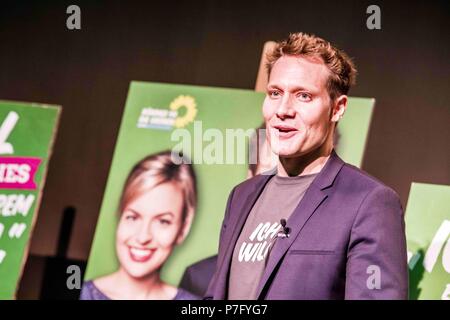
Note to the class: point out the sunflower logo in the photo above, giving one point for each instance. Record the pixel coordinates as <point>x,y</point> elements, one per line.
<point>191,110</point>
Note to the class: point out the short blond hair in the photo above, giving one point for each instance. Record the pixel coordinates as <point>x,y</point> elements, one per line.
<point>157,169</point>
<point>342,69</point>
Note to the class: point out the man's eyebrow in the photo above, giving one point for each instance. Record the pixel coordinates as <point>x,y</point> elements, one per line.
<point>296,88</point>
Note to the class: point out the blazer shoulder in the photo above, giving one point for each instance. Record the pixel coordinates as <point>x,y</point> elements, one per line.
<point>241,191</point>
<point>362,180</point>
<point>250,183</point>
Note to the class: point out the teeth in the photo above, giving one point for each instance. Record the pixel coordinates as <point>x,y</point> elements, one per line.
<point>140,252</point>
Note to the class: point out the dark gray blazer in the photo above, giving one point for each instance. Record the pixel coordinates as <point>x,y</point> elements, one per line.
<point>348,227</point>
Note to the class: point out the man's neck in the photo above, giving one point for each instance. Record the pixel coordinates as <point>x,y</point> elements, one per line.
<point>309,163</point>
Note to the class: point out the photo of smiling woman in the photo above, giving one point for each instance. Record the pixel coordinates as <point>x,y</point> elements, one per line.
<point>156,210</point>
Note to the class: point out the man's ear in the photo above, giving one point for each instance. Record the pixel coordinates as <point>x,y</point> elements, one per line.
<point>186,226</point>
<point>339,107</point>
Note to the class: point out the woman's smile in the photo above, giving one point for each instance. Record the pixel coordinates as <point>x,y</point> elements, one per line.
<point>140,254</point>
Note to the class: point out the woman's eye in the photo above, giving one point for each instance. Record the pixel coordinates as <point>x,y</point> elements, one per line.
<point>131,218</point>
<point>165,222</point>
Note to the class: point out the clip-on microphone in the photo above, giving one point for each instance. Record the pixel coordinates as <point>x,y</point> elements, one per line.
<point>286,230</point>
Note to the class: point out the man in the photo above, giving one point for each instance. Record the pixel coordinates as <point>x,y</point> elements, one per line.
<point>316,228</point>
<point>196,277</point>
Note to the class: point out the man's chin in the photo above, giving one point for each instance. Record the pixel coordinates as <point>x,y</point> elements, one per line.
<point>287,153</point>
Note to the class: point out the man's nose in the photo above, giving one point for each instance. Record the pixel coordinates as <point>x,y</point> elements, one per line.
<point>285,108</point>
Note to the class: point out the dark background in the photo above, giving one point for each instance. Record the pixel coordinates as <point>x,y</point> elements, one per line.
<point>405,66</point>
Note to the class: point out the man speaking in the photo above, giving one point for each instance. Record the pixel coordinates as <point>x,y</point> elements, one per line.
<point>315,227</point>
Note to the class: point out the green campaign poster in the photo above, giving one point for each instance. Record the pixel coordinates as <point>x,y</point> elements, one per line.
<point>207,124</point>
<point>353,130</point>
<point>427,233</point>
<point>26,137</point>
<point>153,113</point>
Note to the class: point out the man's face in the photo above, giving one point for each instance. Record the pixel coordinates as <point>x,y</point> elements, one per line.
<point>297,107</point>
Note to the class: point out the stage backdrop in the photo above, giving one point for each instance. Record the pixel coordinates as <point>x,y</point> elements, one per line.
<point>152,112</point>
<point>428,232</point>
<point>26,137</point>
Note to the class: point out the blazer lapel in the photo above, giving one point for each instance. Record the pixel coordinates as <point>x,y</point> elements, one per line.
<point>313,198</point>
<point>236,223</point>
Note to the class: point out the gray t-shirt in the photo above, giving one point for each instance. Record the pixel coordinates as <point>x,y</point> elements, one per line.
<point>277,201</point>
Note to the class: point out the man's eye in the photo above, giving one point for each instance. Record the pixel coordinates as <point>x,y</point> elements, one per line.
<point>304,96</point>
<point>274,94</point>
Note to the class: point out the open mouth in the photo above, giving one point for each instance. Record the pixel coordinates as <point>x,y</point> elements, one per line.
<point>284,131</point>
<point>140,254</point>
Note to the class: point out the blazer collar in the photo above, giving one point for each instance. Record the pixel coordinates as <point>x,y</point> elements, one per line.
<point>328,174</point>
<point>312,199</point>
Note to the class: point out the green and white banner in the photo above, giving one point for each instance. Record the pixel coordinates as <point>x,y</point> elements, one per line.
<point>428,236</point>
<point>26,137</point>
<point>204,123</point>
<point>160,117</point>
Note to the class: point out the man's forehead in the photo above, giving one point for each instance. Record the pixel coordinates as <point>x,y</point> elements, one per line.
<point>306,69</point>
